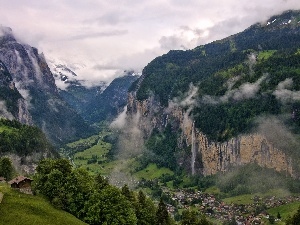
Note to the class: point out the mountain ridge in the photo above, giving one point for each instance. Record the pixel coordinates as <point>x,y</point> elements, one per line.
<point>236,80</point>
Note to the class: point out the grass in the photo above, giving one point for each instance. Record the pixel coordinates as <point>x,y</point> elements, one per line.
<point>22,209</point>
<point>97,152</point>
<point>265,54</point>
<point>5,128</point>
<point>284,210</point>
<point>85,141</point>
<point>248,198</point>
<point>241,199</point>
<point>152,172</point>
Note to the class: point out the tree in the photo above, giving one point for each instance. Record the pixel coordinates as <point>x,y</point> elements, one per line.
<point>295,219</point>
<point>272,219</point>
<point>162,215</point>
<point>145,210</point>
<point>191,217</point>
<point>129,194</point>
<point>278,216</point>
<point>109,206</point>
<point>6,168</point>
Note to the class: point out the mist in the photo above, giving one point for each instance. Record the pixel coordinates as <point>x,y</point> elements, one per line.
<point>283,92</point>
<point>4,113</point>
<point>245,91</point>
<point>130,144</point>
<point>278,134</point>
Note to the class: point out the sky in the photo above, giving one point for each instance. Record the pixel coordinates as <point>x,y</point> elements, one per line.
<point>101,39</point>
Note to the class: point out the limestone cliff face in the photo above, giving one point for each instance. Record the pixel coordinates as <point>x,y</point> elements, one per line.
<point>210,157</point>
<point>241,150</point>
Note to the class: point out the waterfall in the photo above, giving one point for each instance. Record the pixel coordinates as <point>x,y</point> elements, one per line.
<point>193,149</point>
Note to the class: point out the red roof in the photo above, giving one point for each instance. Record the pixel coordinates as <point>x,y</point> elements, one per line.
<point>19,179</point>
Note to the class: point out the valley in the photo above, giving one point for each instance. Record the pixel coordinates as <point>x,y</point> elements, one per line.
<point>208,135</point>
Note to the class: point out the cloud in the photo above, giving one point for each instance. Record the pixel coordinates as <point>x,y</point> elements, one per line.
<point>120,121</point>
<point>283,93</point>
<point>277,133</point>
<point>99,34</point>
<point>128,34</point>
<point>4,112</point>
<point>245,91</point>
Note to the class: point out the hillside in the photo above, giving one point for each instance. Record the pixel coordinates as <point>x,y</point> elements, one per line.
<point>231,102</point>
<point>99,103</point>
<point>38,101</point>
<point>21,209</point>
<point>25,145</point>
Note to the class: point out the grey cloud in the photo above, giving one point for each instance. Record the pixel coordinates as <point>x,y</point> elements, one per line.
<point>4,112</point>
<point>99,34</point>
<point>283,93</point>
<point>245,91</point>
<point>106,67</point>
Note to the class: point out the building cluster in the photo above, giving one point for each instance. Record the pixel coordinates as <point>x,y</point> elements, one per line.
<point>244,214</point>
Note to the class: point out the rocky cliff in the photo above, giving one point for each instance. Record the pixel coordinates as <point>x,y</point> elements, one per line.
<point>208,157</point>
<point>38,102</point>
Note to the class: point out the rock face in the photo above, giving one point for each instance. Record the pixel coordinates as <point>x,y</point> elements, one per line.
<point>38,102</point>
<point>210,157</point>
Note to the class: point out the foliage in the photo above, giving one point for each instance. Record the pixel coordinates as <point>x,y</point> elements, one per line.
<point>295,219</point>
<point>261,55</point>
<point>92,199</point>
<point>190,217</point>
<point>22,139</point>
<point>252,178</point>
<point>6,168</point>
<point>23,209</point>
<point>162,216</point>
<point>164,146</point>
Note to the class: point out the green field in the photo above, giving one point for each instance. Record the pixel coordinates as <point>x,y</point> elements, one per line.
<point>263,55</point>
<point>21,209</point>
<point>152,172</point>
<point>94,159</point>
<point>85,142</point>
<point>284,210</point>
<point>248,198</point>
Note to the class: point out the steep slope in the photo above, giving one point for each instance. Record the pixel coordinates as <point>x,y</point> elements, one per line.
<point>21,209</point>
<point>35,82</point>
<point>12,103</point>
<point>107,105</point>
<point>25,145</point>
<point>244,88</point>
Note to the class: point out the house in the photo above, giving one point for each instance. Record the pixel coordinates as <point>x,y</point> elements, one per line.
<point>21,182</point>
<point>2,180</point>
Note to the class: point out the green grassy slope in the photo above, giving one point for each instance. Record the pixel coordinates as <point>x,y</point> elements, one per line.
<point>21,209</point>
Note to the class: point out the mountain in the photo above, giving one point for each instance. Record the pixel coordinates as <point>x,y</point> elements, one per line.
<point>227,103</point>
<point>39,95</point>
<point>72,90</point>
<point>107,105</point>
<point>101,102</point>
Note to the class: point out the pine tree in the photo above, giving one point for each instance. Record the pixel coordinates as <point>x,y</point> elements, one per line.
<point>162,215</point>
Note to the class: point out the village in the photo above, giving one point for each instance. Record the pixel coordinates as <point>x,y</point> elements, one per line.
<point>208,204</point>
<point>244,214</point>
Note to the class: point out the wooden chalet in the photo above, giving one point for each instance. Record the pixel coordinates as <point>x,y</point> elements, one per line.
<point>2,180</point>
<point>21,182</point>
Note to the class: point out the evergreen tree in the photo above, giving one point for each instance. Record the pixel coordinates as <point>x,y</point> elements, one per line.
<point>6,168</point>
<point>162,215</point>
<point>145,210</point>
